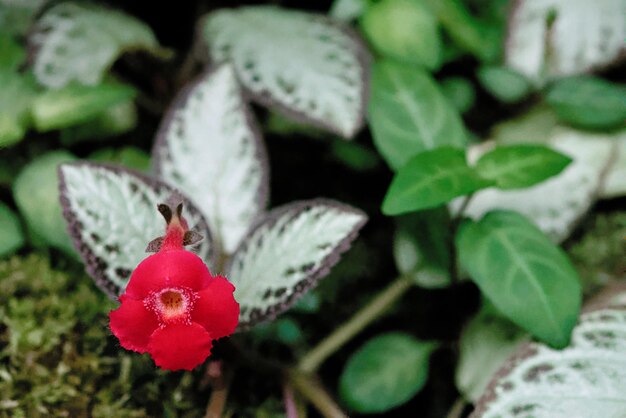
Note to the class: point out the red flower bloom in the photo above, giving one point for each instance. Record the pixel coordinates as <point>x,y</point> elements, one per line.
<point>173,308</point>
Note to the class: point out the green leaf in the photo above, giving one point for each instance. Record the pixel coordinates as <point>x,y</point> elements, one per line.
<point>15,101</point>
<point>405,30</point>
<point>75,104</point>
<point>480,39</point>
<point>12,54</point>
<point>527,277</point>
<point>115,120</point>
<point>78,42</point>
<point>460,92</point>
<point>386,372</point>
<point>130,157</point>
<point>504,84</point>
<point>421,247</point>
<point>36,193</point>
<point>12,237</point>
<point>355,155</point>
<point>485,344</point>
<point>589,102</point>
<point>347,10</point>
<point>430,179</point>
<point>408,114</point>
<point>521,166</point>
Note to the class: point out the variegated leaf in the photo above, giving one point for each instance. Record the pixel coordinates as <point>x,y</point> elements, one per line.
<point>112,216</point>
<point>557,204</point>
<point>555,38</point>
<point>308,66</point>
<point>210,147</point>
<point>615,183</point>
<point>288,251</point>
<point>79,42</point>
<point>586,379</point>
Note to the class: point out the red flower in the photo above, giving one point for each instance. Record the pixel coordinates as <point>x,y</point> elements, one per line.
<point>173,308</point>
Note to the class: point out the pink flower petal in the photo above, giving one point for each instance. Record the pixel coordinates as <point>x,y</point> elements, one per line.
<point>133,324</point>
<point>216,308</point>
<point>178,268</point>
<point>180,346</point>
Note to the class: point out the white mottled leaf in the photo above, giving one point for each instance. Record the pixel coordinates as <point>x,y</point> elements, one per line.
<point>112,216</point>
<point>615,183</point>
<point>586,379</point>
<point>79,42</point>
<point>210,148</point>
<point>557,204</point>
<point>555,38</point>
<point>308,66</point>
<point>287,253</point>
<point>486,343</point>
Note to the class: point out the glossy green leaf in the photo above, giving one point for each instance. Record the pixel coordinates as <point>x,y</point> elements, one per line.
<point>527,277</point>
<point>589,102</point>
<point>75,104</point>
<point>12,54</point>
<point>15,101</point>
<point>408,114</point>
<point>386,372</point>
<point>36,193</point>
<point>11,235</point>
<point>504,84</point>
<point>460,92</point>
<point>421,247</point>
<point>521,166</point>
<point>405,30</point>
<point>430,179</point>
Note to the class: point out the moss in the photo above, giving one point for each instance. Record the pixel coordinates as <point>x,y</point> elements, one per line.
<point>599,254</point>
<point>58,359</point>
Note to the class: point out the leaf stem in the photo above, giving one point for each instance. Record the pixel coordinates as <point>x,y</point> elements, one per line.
<point>220,384</point>
<point>457,408</point>
<point>362,318</point>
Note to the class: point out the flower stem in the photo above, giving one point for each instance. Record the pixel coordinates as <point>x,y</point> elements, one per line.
<point>219,395</point>
<point>310,388</point>
<point>365,316</point>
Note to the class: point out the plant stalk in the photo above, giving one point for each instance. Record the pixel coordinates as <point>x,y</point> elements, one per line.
<point>310,388</point>
<point>361,319</point>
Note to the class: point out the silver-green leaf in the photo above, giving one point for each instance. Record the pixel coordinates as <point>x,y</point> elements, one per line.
<point>549,39</point>
<point>112,215</point>
<point>586,379</point>
<point>287,252</point>
<point>306,65</point>
<point>210,147</point>
<point>80,42</point>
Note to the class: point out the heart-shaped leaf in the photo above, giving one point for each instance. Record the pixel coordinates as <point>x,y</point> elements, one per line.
<point>79,42</point>
<point>527,277</point>
<point>586,379</point>
<point>430,179</point>
<point>112,216</point>
<point>288,251</point>
<point>555,38</point>
<point>306,65</point>
<point>408,114</point>
<point>520,166</point>
<point>386,372</point>
<point>210,147</point>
